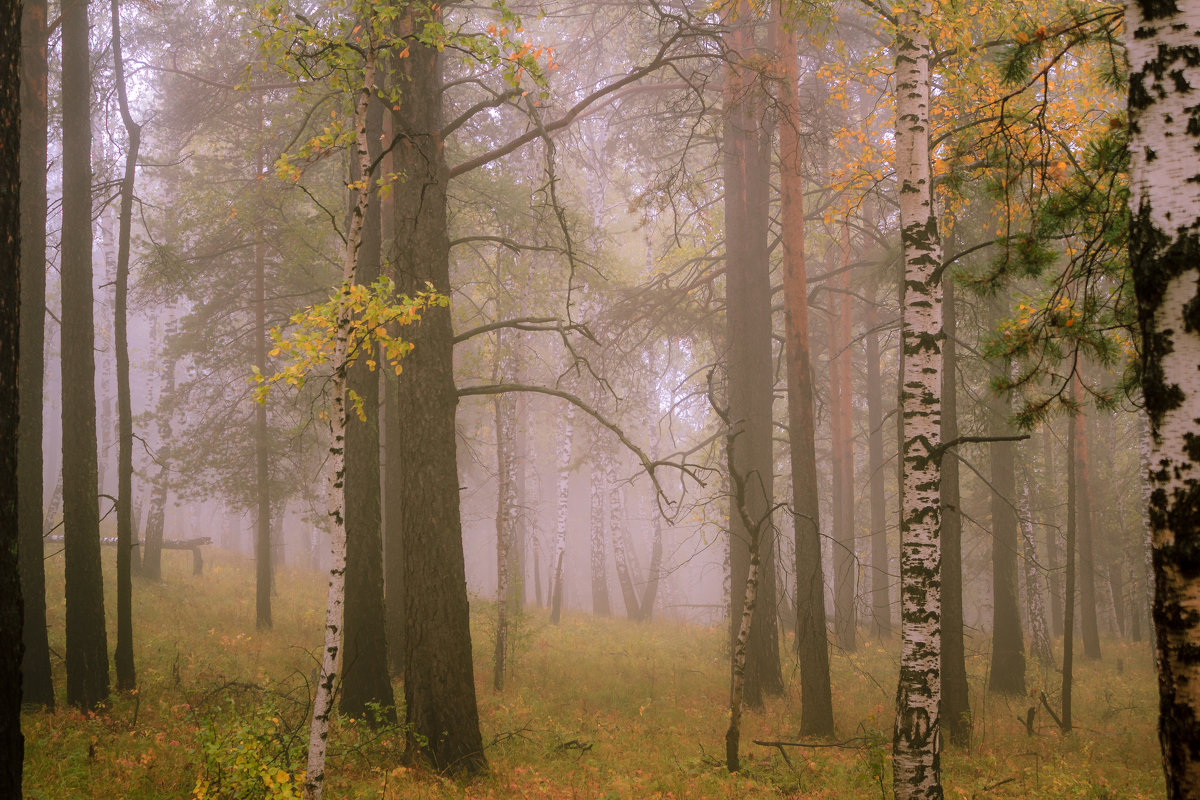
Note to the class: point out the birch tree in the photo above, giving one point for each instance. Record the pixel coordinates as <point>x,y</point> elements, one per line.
<point>916,744</point>
<point>1165,258</point>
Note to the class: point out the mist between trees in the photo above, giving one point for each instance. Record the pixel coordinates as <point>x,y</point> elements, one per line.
<point>815,345</point>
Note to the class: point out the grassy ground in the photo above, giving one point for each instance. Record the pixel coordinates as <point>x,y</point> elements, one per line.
<point>594,709</point>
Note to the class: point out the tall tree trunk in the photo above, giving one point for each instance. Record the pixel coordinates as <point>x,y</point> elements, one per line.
<point>506,502</point>
<point>748,359</point>
<point>87,642</point>
<point>956,698</point>
<point>1007,672</point>
<point>1049,502</point>
<point>366,682</point>
<point>262,441</point>
<point>37,683</point>
<point>123,658</point>
<point>1068,664</point>
<point>12,745</point>
<point>650,590</point>
<point>881,605</point>
<point>156,519</point>
<point>916,743</point>
<point>845,566</point>
<point>566,433</point>
<point>616,527</point>
<point>812,647</point>
<point>518,556</point>
<point>1039,631</point>
<point>1165,202</point>
<point>393,459</point>
<point>599,546</point>
<point>332,658</point>
<point>1084,532</point>
<point>442,718</point>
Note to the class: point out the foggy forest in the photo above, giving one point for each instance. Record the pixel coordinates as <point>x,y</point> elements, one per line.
<point>624,399</point>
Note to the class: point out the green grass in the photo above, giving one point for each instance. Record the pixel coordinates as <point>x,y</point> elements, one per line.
<point>595,709</point>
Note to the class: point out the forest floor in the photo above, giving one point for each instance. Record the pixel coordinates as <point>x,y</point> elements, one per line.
<point>595,708</point>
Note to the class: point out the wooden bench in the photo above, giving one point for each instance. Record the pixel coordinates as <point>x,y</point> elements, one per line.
<point>168,544</point>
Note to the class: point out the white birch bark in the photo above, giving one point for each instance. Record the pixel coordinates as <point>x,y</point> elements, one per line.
<point>1164,124</point>
<point>507,508</point>
<point>318,737</point>
<point>616,527</point>
<point>917,741</point>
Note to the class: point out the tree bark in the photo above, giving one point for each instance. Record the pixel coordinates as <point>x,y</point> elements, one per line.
<point>12,744</point>
<point>1164,249</point>
<point>916,744</point>
<point>263,564</point>
<point>38,686</point>
<point>442,718</point>
<point>1068,664</point>
<point>881,604</point>
<point>599,546</point>
<point>566,432</point>
<point>1007,672</point>
<point>1084,532</point>
<point>616,527</point>
<point>1049,501</point>
<point>812,646</point>
<point>956,698</point>
<point>1039,631</point>
<point>507,511</point>
<point>87,641</point>
<point>749,359</point>
<point>123,658</point>
<point>845,560</point>
<point>366,682</point>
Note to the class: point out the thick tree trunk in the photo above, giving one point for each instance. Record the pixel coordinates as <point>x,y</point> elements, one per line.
<point>366,682</point>
<point>1164,249</point>
<point>566,434</point>
<point>442,718</point>
<point>1085,533</point>
<point>748,359</point>
<point>956,698</point>
<point>37,686</point>
<point>123,658</point>
<point>1007,672</point>
<point>845,562</point>
<point>812,647</point>
<point>12,745</point>
<point>87,642</point>
<point>916,744</point>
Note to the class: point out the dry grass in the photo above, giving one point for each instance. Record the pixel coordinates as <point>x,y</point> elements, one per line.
<point>595,709</point>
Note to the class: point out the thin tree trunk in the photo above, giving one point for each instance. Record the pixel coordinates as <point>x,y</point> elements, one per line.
<point>566,433</point>
<point>1039,631</point>
<point>1007,672</point>
<point>599,547</point>
<point>366,682</point>
<point>1165,207</point>
<point>264,578</point>
<point>812,647</point>
<point>507,511</point>
<point>37,682</point>
<point>156,519</point>
<point>331,659</point>
<point>956,698</point>
<point>87,641</point>
<point>123,658</point>
<point>1084,532</point>
<point>616,527</point>
<point>845,565</point>
<point>881,604</point>
<point>1049,501</point>
<point>1068,664</point>
<point>916,743</point>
